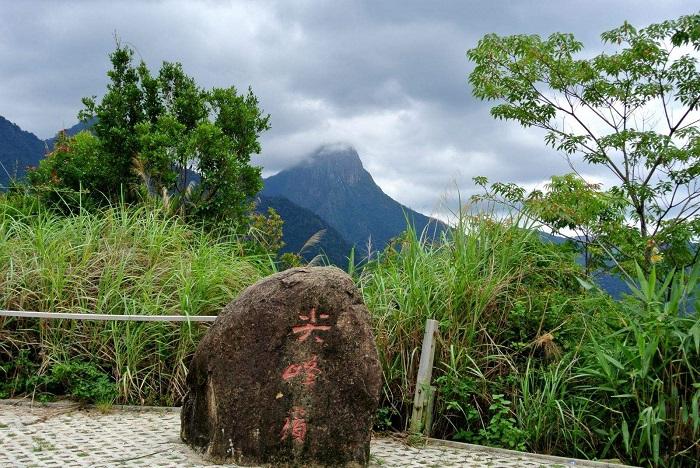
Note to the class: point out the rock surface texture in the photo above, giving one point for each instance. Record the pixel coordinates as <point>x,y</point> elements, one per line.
<point>288,375</point>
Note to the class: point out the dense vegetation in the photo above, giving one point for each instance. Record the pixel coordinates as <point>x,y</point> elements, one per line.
<point>159,135</point>
<point>121,260</point>
<point>530,359</point>
<point>626,384</point>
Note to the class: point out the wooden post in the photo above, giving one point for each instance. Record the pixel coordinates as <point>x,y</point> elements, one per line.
<point>428,417</point>
<point>422,403</point>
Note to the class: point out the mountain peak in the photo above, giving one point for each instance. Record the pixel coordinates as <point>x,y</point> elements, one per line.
<point>332,183</point>
<point>336,161</point>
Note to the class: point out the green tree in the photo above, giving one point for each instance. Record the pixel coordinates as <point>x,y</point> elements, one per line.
<point>74,168</point>
<point>591,218</point>
<point>163,135</point>
<point>632,109</point>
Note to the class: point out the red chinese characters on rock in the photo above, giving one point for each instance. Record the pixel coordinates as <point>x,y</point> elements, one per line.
<point>305,331</point>
<point>308,369</point>
<point>295,425</point>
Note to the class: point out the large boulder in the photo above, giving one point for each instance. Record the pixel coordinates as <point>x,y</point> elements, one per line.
<point>288,375</point>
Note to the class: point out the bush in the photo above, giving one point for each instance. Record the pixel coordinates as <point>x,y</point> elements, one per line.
<point>83,381</point>
<point>526,358</point>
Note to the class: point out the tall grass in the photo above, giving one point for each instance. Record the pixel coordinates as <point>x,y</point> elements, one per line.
<point>501,296</point>
<point>528,359</point>
<point>556,418</point>
<point>118,261</point>
<point>643,377</point>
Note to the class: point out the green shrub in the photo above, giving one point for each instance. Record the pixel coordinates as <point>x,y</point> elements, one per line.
<point>83,381</point>
<point>502,430</point>
<point>526,359</point>
<point>15,373</point>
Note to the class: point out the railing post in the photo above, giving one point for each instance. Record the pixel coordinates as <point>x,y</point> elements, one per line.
<point>422,417</point>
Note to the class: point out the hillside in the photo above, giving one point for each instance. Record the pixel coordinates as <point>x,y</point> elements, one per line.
<point>300,224</point>
<point>19,149</point>
<point>333,184</point>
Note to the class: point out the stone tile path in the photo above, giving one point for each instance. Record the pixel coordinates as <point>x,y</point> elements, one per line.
<point>64,435</point>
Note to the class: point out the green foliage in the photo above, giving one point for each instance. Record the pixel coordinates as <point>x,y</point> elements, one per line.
<point>526,359</point>
<point>502,430</point>
<point>15,373</point>
<point>384,417</point>
<point>632,111</point>
<point>551,413</point>
<point>290,260</point>
<point>572,205</point>
<point>122,260</point>
<point>629,388</point>
<point>73,169</point>
<point>501,295</point>
<point>83,381</point>
<point>643,378</point>
<point>266,231</point>
<point>162,135</point>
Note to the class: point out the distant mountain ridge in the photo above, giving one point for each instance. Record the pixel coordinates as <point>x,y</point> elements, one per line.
<point>79,127</point>
<point>19,149</point>
<point>333,184</point>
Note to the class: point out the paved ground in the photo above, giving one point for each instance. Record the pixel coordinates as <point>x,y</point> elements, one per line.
<point>64,435</point>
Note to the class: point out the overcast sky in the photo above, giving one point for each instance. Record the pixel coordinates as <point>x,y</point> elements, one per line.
<point>389,78</point>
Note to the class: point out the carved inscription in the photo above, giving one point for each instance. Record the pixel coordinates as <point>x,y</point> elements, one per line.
<point>305,331</point>
<point>305,372</point>
<point>295,425</point>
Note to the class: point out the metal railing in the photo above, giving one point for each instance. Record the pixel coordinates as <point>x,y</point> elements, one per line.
<point>107,317</point>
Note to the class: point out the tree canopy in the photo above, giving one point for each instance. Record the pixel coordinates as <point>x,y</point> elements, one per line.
<point>164,135</point>
<point>632,109</point>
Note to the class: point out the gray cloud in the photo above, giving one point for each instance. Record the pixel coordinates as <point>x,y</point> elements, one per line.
<point>386,77</point>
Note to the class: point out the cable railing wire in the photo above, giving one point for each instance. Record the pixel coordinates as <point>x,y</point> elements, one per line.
<point>107,317</point>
